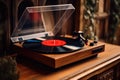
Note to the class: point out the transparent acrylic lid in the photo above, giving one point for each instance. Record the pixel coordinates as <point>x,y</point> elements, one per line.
<point>39,21</point>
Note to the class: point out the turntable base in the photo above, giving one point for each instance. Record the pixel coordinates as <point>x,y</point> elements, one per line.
<point>60,59</point>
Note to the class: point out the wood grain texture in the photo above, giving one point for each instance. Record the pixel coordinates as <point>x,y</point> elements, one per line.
<point>35,71</point>
<point>58,60</point>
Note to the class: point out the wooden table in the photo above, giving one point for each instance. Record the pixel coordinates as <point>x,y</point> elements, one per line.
<point>32,70</point>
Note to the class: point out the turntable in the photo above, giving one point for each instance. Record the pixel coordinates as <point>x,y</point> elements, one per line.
<point>40,35</point>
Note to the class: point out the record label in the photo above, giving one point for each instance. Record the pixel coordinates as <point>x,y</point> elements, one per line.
<point>53,43</point>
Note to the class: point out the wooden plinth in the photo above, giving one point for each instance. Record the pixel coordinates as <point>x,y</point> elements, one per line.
<point>59,60</point>
<point>30,70</point>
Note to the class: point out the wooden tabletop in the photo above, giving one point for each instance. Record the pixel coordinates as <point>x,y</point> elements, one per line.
<point>32,70</point>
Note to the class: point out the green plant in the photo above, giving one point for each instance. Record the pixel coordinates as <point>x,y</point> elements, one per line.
<point>114,20</point>
<point>8,66</point>
<point>8,70</point>
<point>91,8</point>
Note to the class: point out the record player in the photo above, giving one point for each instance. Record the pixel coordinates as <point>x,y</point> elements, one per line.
<point>40,35</point>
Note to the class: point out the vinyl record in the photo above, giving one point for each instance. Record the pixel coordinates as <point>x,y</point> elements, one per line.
<point>56,45</point>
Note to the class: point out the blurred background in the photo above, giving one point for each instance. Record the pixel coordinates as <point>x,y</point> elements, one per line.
<point>98,19</point>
